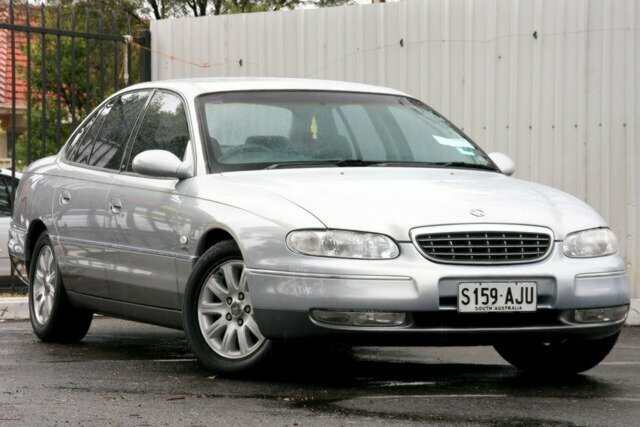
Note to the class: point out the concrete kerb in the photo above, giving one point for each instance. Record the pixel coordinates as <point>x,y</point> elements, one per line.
<point>14,308</point>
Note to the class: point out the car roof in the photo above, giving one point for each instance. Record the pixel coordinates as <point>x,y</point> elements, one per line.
<point>198,86</point>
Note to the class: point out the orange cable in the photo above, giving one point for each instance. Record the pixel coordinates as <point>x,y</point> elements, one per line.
<point>172,57</point>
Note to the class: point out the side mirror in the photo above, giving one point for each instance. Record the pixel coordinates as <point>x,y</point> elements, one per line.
<point>161,163</point>
<point>504,163</point>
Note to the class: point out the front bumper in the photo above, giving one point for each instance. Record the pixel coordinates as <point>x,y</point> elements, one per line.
<point>291,325</point>
<point>427,292</point>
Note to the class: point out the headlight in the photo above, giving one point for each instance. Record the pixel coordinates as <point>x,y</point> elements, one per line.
<point>342,244</point>
<point>590,243</point>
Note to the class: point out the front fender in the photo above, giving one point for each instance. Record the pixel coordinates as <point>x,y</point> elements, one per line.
<point>260,239</point>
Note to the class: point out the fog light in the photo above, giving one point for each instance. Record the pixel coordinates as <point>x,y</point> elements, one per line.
<point>608,314</point>
<point>359,318</point>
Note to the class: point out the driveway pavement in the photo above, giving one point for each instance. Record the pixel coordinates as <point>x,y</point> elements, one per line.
<point>125,373</point>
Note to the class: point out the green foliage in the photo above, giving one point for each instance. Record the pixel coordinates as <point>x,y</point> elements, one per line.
<point>36,148</point>
<point>162,9</point>
<point>80,72</point>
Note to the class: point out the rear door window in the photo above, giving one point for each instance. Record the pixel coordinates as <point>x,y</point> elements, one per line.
<point>111,141</point>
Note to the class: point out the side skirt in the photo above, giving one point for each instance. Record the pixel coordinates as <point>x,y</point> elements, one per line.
<point>125,310</point>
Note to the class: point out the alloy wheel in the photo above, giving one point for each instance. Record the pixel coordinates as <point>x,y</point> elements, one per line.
<point>44,285</point>
<point>225,312</point>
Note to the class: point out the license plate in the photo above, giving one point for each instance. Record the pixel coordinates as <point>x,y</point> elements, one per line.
<point>477,297</point>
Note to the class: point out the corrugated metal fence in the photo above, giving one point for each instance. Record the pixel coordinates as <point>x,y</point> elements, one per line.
<point>553,83</point>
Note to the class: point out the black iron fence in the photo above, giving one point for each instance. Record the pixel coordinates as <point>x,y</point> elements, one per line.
<point>58,64</point>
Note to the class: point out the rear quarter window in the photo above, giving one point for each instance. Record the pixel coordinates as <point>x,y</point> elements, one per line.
<point>79,147</point>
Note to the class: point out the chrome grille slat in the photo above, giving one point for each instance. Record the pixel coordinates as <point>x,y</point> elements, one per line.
<point>544,246</point>
<point>481,238</point>
<point>497,254</point>
<point>478,247</point>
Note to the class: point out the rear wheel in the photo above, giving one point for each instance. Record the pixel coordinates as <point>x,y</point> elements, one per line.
<point>218,313</point>
<point>53,318</point>
<point>564,357</point>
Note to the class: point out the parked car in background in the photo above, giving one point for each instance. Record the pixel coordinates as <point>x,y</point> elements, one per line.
<point>252,211</point>
<point>7,183</point>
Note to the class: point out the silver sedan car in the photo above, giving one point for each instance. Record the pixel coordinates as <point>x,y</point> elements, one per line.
<point>253,211</point>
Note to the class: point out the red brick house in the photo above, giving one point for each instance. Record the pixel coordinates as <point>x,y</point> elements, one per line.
<point>6,94</point>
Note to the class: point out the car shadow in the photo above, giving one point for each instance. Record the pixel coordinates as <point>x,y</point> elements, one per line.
<point>330,367</point>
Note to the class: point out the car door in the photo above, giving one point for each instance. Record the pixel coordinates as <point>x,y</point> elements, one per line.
<point>142,227</point>
<point>80,203</point>
<point>79,214</point>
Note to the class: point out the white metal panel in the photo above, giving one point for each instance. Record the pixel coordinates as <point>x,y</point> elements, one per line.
<point>553,83</point>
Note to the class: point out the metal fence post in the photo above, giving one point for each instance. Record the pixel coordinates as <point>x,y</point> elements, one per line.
<point>144,40</point>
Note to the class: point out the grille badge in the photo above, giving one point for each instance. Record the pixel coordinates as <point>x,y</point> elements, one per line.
<point>477,212</point>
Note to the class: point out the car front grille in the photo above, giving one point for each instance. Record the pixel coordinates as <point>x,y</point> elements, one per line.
<point>479,247</point>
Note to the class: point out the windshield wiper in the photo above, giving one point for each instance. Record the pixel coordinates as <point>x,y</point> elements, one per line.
<point>324,163</point>
<point>380,163</point>
<point>435,164</point>
<point>357,162</point>
<point>309,164</point>
<point>464,165</point>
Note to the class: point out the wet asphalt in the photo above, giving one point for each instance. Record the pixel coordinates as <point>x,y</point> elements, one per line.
<point>125,373</point>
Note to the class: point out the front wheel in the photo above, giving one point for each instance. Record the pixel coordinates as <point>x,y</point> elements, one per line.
<point>565,357</point>
<point>218,313</point>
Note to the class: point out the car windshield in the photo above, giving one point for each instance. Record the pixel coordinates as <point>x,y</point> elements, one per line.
<point>273,129</point>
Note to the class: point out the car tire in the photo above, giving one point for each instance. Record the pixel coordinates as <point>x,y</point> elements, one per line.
<point>566,357</point>
<point>218,315</point>
<point>53,318</point>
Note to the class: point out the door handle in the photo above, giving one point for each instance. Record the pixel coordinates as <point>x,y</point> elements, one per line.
<point>115,206</point>
<point>65,197</point>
